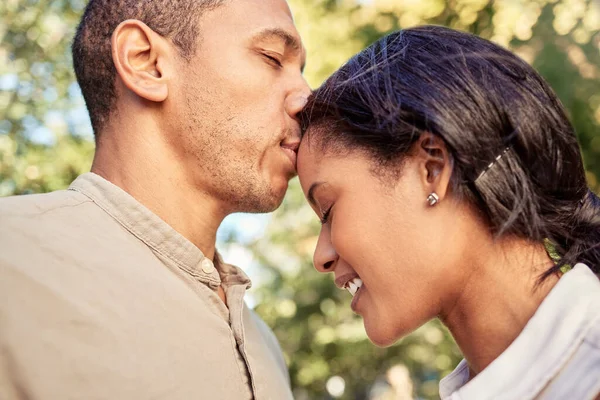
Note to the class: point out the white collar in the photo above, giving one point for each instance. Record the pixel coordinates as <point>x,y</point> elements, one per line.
<point>536,355</point>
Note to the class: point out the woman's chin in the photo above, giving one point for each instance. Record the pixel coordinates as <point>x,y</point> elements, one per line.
<point>381,335</point>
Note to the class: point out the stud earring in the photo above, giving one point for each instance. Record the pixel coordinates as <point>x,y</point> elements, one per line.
<point>433,199</point>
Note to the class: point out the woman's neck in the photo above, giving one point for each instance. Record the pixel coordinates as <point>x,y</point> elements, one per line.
<point>500,295</point>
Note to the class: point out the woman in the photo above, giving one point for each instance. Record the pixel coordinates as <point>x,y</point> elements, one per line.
<point>446,174</point>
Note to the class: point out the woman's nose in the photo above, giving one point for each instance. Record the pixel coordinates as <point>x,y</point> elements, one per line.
<point>325,256</point>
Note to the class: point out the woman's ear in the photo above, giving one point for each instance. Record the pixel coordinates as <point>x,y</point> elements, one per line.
<point>140,56</point>
<point>435,164</point>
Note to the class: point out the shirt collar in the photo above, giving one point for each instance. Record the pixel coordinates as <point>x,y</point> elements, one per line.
<point>154,232</point>
<point>542,348</point>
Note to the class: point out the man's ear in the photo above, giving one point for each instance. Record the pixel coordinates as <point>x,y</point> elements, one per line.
<point>140,56</point>
<point>435,163</point>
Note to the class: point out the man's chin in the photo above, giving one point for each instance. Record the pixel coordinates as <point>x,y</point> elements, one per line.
<point>264,203</point>
<point>277,193</point>
<point>272,204</point>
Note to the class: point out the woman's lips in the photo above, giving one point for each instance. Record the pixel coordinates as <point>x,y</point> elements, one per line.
<point>342,281</point>
<point>353,284</point>
<point>355,299</point>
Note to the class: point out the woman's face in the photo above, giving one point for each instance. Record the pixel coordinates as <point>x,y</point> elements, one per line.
<point>380,233</point>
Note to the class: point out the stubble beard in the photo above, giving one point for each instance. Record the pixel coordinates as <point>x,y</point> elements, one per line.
<point>234,179</point>
<point>248,192</point>
<point>235,182</point>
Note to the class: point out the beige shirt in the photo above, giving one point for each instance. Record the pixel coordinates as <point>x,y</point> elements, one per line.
<point>101,299</point>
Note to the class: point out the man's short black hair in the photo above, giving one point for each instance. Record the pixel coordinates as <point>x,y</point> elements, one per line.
<point>177,20</point>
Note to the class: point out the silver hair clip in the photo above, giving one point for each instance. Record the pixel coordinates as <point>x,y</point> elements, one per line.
<point>486,169</point>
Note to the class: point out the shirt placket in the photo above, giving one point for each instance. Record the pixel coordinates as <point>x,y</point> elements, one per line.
<point>232,313</point>
<point>235,301</point>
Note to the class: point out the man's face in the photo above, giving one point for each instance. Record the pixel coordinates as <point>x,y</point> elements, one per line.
<point>232,108</point>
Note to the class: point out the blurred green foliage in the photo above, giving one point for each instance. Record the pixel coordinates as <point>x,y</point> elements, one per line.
<point>46,141</point>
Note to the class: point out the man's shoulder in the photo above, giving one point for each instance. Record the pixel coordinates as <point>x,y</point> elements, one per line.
<point>271,340</point>
<point>37,204</point>
<point>40,227</point>
<point>262,326</point>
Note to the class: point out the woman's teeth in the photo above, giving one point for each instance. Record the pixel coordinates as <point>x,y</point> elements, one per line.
<point>353,285</point>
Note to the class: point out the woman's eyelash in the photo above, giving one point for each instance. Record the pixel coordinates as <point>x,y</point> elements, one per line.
<point>325,216</point>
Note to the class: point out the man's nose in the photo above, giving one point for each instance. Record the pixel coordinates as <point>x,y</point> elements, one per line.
<point>325,257</point>
<point>296,101</point>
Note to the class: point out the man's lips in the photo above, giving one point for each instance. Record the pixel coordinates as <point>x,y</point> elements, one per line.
<point>291,150</point>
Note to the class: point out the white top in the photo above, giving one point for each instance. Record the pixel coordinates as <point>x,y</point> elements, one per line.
<point>556,357</point>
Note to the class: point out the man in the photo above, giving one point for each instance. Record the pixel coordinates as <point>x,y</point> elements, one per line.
<point>113,289</point>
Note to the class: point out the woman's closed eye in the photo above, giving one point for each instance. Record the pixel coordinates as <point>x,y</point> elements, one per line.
<point>325,216</point>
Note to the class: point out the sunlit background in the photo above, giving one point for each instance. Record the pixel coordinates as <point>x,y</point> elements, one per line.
<point>46,141</point>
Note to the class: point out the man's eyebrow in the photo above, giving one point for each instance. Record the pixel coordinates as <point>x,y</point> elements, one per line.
<point>288,39</point>
<point>311,192</point>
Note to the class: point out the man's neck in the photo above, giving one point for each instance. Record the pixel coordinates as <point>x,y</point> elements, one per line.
<point>153,176</point>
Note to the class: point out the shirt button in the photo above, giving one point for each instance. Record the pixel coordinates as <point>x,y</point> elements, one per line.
<point>207,266</point>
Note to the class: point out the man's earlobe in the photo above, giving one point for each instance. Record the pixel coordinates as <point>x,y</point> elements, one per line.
<point>139,55</point>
